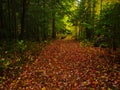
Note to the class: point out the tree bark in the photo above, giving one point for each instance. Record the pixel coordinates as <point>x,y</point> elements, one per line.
<point>15,24</point>
<point>23,19</point>
<point>88,20</point>
<point>1,20</point>
<point>1,15</point>
<point>53,26</point>
<point>9,21</point>
<point>93,18</point>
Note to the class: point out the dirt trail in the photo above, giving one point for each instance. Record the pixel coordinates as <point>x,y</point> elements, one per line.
<point>69,37</point>
<point>64,65</point>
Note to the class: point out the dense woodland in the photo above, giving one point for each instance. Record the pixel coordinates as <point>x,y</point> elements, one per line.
<point>27,26</point>
<point>40,20</point>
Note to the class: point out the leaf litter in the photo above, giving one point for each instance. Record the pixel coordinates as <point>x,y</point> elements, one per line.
<point>65,65</point>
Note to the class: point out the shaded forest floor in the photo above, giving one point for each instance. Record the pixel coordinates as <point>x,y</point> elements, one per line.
<point>65,65</point>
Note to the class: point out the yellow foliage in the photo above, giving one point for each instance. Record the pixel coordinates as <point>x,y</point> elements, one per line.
<point>104,2</point>
<point>43,88</point>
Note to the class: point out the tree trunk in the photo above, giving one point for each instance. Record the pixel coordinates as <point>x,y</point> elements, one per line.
<point>1,15</point>
<point>115,27</point>
<point>9,21</point>
<point>1,20</point>
<point>44,22</point>
<point>15,24</point>
<point>88,21</point>
<point>76,29</point>
<point>23,19</point>
<point>93,18</point>
<point>101,6</point>
<point>53,26</point>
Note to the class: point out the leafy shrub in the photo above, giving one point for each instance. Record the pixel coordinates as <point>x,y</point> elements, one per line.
<point>4,63</point>
<point>86,43</point>
<point>20,49</point>
<point>68,32</point>
<point>61,36</point>
<point>21,46</point>
<point>101,41</point>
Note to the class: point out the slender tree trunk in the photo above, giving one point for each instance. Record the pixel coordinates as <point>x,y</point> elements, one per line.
<point>1,15</point>
<point>13,19</point>
<point>79,25</point>
<point>101,6</point>
<point>23,19</point>
<point>76,29</point>
<point>53,26</point>
<point>15,24</point>
<point>1,20</point>
<point>9,21</point>
<point>93,18</point>
<point>115,27</point>
<point>53,19</point>
<point>101,12</point>
<point>44,22</point>
<point>88,20</point>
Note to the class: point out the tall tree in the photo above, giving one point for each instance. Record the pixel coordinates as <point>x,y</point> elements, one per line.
<point>9,19</point>
<point>115,38</point>
<point>93,17</point>
<point>53,25</point>
<point>23,19</point>
<point>88,20</point>
<point>1,19</point>
<point>53,19</point>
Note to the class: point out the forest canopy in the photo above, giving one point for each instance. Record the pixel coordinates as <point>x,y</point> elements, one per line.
<point>67,34</point>
<point>43,19</point>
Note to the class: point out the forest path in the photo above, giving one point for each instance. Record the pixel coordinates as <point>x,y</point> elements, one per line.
<point>64,65</point>
<point>69,37</point>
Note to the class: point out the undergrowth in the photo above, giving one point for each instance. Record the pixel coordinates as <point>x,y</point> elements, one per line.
<point>15,56</point>
<point>86,43</point>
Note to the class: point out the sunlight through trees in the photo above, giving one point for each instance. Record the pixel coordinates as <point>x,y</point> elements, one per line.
<point>86,31</point>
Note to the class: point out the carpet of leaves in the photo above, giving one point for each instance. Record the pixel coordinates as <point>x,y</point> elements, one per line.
<point>65,65</point>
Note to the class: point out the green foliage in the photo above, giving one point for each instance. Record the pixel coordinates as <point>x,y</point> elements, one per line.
<point>20,49</point>
<point>21,46</point>
<point>32,19</point>
<point>108,25</point>
<point>87,25</point>
<point>103,44</point>
<point>86,43</point>
<point>61,36</point>
<point>68,32</point>
<point>4,63</point>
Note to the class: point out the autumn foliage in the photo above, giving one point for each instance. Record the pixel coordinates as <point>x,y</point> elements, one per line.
<point>65,65</point>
